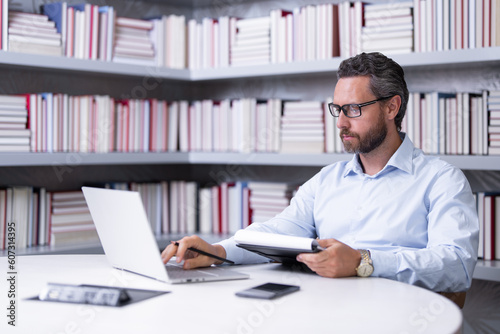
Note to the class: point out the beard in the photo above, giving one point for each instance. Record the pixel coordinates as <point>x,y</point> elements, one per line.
<point>373,139</point>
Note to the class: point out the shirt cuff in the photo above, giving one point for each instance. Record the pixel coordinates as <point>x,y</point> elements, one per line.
<point>385,264</point>
<point>239,255</point>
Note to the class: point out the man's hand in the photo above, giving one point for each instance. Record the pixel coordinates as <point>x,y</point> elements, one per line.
<point>193,259</point>
<point>337,260</point>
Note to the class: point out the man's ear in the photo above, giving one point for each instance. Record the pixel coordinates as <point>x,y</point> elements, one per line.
<point>393,106</point>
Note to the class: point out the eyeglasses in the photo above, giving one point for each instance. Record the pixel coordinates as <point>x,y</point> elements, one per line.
<point>351,110</point>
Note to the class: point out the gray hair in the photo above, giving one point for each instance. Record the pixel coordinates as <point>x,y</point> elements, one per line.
<point>387,77</point>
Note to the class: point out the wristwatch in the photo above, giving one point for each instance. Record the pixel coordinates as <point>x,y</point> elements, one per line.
<point>365,267</point>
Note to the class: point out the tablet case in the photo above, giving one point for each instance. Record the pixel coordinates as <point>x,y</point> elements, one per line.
<point>280,254</point>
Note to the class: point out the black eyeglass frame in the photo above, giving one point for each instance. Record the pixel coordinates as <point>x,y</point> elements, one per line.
<point>359,105</point>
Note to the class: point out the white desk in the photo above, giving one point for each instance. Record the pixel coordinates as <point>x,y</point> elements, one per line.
<point>348,305</point>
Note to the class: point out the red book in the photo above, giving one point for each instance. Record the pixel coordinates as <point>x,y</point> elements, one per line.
<point>70,32</point>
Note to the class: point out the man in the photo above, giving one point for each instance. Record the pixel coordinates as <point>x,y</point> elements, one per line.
<point>389,212</point>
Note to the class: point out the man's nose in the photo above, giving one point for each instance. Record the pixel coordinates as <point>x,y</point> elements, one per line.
<point>342,120</point>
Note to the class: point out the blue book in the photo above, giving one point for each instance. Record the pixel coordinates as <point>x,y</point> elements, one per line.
<point>56,12</point>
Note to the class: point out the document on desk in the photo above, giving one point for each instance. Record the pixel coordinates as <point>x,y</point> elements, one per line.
<point>94,294</point>
<point>278,247</point>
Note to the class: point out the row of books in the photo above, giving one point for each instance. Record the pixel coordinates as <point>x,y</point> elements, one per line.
<point>186,207</point>
<point>461,123</point>
<point>386,28</point>
<point>309,32</point>
<point>488,206</point>
<point>33,33</point>
<point>62,123</point>
<point>493,105</point>
<point>173,207</point>
<point>179,207</point>
<point>15,134</point>
<point>456,24</point>
<point>438,123</point>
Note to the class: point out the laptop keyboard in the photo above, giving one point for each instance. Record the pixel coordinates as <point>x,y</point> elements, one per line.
<point>176,272</point>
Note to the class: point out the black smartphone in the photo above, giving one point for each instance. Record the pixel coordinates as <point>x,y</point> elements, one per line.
<point>268,291</point>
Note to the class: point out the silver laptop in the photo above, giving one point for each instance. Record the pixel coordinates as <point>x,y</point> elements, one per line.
<point>129,243</point>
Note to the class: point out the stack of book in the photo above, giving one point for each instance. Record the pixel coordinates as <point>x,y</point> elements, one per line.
<point>443,123</point>
<point>494,123</point>
<point>84,39</point>
<point>14,135</point>
<point>213,208</point>
<point>86,30</point>
<point>107,17</point>
<point>243,125</point>
<point>452,25</point>
<point>133,123</point>
<point>169,37</point>
<point>479,123</point>
<point>183,205</point>
<point>282,38</point>
<point>268,126</point>
<point>33,33</point>
<point>62,123</point>
<point>146,126</point>
<point>133,43</point>
<point>315,32</point>
<point>252,44</point>
<point>302,127</point>
<point>82,31</point>
<point>70,220</point>
<point>388,28</point>
<point>195,45</point>
<point>268,199</point>
<point>155,198</point>
<point>351,22</point>
<point>26,211</point>
<point>18,213</point>
<point>209,42</point>
<point>488,210</point>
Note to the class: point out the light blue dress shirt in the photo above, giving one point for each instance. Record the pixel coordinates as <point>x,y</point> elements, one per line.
<point>417,216</point>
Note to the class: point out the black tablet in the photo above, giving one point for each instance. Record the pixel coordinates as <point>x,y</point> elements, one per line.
<point>279,254</point>
<point>277,247</point>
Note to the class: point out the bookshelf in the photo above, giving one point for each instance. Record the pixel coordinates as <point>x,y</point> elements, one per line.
<point>36,168</point>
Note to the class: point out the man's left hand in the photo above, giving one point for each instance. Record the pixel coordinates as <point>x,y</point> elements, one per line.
<point>337,260</point>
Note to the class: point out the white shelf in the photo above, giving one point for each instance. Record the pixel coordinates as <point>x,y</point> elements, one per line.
<point>66,64</point>
<point>87,159</point>
<point>474,162</point>
<point>272,159</point>
<point>441,59</point>
<point>487,270</point>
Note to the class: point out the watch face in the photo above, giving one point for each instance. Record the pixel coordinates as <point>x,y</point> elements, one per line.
<point>365,270</point>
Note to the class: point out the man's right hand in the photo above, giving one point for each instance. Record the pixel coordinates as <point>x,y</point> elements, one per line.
<point>193,259</point>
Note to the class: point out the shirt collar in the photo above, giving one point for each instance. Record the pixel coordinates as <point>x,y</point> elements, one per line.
<point>401,159</point>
